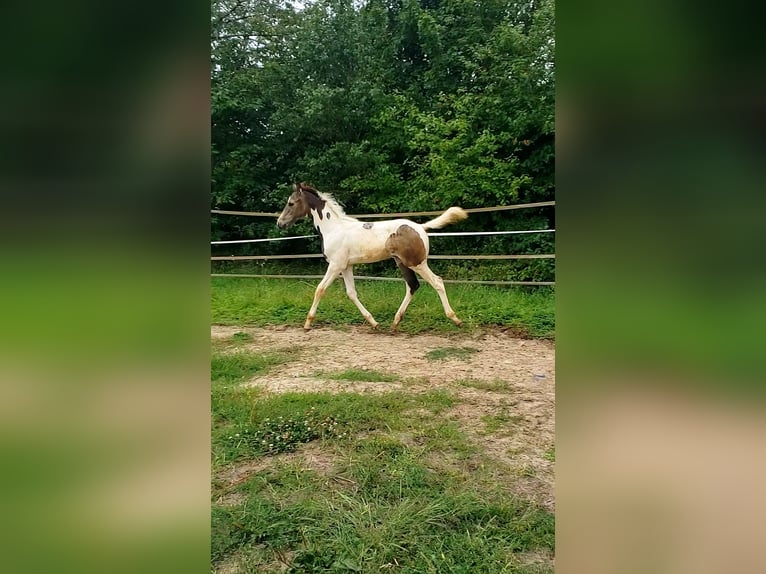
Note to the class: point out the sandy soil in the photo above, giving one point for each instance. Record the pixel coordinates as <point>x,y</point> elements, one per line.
<point>521,372</point>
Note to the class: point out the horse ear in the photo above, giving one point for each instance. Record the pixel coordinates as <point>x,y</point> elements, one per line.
<point>295,187</point>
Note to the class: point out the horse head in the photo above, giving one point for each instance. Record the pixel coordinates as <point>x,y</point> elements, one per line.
<point>302,200</point>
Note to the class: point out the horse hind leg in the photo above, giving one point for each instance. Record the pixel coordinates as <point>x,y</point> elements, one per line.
<point>438,284</point>
<point>412,286</point>
<point>348,278</point>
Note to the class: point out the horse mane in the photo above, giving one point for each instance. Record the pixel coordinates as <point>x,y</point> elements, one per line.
<point>330,202</point>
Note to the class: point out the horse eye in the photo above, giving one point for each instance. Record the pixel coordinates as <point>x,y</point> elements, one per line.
<point>290,203</point>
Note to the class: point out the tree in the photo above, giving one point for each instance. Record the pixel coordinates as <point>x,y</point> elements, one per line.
<point>392,104</point>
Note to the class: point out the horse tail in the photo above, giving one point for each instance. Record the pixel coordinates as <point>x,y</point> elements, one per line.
<point>452,215</point>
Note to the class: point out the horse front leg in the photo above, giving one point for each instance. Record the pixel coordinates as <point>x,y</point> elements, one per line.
<point>348,278</point>
<point>329,277</point>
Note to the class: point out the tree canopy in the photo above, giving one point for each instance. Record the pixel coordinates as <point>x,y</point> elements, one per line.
<point>392,105</point>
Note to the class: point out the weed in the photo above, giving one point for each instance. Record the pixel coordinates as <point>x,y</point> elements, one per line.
<point>495,386</point>
<point>443,353</point>
<point>363,375</point>
<point>284,434</point>
<point>241,337</point>
<point>493,423</point>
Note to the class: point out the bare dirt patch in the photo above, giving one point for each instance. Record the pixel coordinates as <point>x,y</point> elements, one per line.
<point>525,399</point>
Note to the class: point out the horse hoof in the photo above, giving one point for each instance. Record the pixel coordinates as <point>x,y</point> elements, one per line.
<point>375,325</point>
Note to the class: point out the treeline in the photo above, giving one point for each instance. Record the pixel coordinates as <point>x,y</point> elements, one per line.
<point>392,105</point>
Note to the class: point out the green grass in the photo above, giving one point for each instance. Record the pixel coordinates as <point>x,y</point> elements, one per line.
<point>442,353</point>
<point>231,368</point>
<point>497,385</point>
<point>241,337</point>
<point>260,302</point>
<point>361,375</point>
<point>402,491</point>
<point>399,486</point>
<point>237,340</point>
<point>239,412</point>
<point>497,422</point>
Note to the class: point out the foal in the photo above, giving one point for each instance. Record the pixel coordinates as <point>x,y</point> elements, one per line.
<point>347,241</point>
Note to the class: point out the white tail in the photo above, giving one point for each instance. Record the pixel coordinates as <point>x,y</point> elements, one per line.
<point>452,215</point>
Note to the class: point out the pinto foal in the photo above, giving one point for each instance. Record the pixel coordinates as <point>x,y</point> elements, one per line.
<point>347,241</point>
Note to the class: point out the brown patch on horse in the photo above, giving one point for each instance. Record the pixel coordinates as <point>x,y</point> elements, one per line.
<point>303,186</point>
<point>312,198</point>
<point>406,245</point>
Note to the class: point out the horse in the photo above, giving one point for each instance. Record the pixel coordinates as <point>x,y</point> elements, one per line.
<point>347,241</point>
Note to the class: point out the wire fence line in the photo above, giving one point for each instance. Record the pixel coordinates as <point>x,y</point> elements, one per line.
<point>395,215</point>
<point>310,255</point>
<point>371,278</point>
<point>391,216</point>
<point>261,240</point>
<point>447,234</point>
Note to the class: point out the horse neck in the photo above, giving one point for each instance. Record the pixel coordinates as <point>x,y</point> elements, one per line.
<point>325,224</point>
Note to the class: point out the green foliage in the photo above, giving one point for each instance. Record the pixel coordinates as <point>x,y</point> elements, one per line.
<point>393,106</point>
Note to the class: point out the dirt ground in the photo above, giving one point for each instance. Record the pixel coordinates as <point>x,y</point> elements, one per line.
<point>519,374</point>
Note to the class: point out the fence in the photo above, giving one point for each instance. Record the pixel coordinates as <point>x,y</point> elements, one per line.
<point>389,216</point>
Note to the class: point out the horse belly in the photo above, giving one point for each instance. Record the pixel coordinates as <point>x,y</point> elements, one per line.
<point>368,253</point>
<point>362,246</point>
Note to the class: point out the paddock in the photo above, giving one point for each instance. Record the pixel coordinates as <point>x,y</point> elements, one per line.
<point>446,432</point>
<point>504,385</point>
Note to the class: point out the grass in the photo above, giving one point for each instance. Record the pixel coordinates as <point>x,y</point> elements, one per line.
<point>500,421</point>
<point>231,368</point>
<point>400,490</point>
<point>260,302</point>
<point>496,386</point>
<point>240,412</point>
<point>241,337</point>
<point>442,353</point>
<point>237,340</point>
<point>360,375</point>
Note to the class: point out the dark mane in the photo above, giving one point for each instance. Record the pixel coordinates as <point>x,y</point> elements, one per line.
<point>306,187</point>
